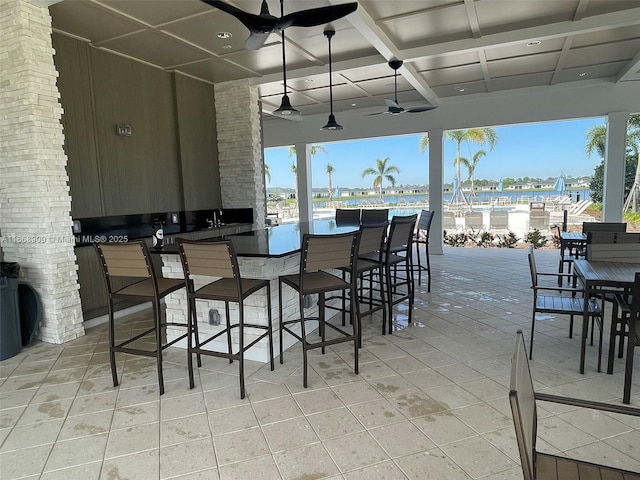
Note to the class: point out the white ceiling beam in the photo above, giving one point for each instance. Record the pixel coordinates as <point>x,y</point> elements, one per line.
<point>542,32</point>
<point>631,70</point>
<point>366,26</point>
<point>580,10</point>
<point>561,59</point>
<point>342,67</point>
<point>472,15</point>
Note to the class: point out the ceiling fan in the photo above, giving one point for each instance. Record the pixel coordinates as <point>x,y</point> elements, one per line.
<point>393,107</point>
<point>262,25</point>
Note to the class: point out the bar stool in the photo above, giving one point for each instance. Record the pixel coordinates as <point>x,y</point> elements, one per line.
<point>422,238</point>
<point>398,255</point>
<point>129,263</point>
<point>218,259</point>
<point>320,253</point>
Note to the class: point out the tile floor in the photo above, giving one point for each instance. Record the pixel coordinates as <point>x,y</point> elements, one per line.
<point>430,401</point>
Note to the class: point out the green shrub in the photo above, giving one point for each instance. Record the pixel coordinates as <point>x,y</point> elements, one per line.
<point>507,241</point>
<point>481,238</point>
<point>535,238</point>
<point>455,239</point>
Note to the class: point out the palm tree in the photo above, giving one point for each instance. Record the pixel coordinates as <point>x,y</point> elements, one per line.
<point>596,141</point>
<point>471,168</point>
<point>267,173</point>
<point>381,172</point>
<point>329,170</point>
<point>314,149</point>
<point>479,136</point>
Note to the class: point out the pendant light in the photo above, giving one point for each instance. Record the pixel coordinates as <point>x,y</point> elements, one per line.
<point>329,32</point>
<point>285,107</point>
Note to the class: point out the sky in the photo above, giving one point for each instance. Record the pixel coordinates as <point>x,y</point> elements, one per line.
<point>537,150</point>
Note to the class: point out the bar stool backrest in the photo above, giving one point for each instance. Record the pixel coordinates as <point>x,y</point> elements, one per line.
<point>347,216</point>
<point>374,216</point>
<point>372,239</point>
<point>322,252</point>
<point>212,259</point>
<point>401,232</point>
<point>125,263</point>
<point>424,224</point>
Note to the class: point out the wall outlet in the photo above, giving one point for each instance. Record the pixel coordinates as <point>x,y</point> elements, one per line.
<point>307,301</point>
<point>174,218</point>
<point>214,317</point>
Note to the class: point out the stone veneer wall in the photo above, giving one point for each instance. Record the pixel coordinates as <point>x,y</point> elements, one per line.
<point>35,202</point>
<point>240,147</point>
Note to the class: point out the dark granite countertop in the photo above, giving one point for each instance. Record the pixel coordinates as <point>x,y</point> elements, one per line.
<point>274,242</point>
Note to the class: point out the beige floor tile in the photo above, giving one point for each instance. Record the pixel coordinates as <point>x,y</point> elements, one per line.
<point>136,414</point>
<point>606,455</point>
<point>381,471</point>
<point>289,434</point>
<point>240,446</point>
<point>88,471</point>
<point>16,398</point>
<point>208,474</point>
<point>133,439</point>
<point>317,401</point>
<point>94,403</point>
<point>562,435</point>
<point>376,413</point>
<point>276,410</point>
<point>356,450</point>
<point>311,461</point>
<point>627,443</point>
<point>85,425</point>
<point>186,458</point>
<point>182,406</point>
<point>44,412</point>
<point>142,465</point>
<point>482,418</point>
<point>232,419</point>
<point>418,404</point>
<point>356,392</point>
<point>32,435</point>
<point>263,468</point>
<point>184,429</point>
<point>24,462</point>
<point>443,428</point>
<point>10,416</point>
<point>431,465</point>
<point>135,395</point>
<point>401,439</point>
<point>70,453</point>
<point>394,385</point>
<point>334,423</point>
<point>477,456</point>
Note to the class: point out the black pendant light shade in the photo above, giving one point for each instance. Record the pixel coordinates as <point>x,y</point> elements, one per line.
<point>285,107</point>
<point>329,32</point>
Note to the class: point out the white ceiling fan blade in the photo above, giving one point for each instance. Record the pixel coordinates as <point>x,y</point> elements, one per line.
<point>391,103</point>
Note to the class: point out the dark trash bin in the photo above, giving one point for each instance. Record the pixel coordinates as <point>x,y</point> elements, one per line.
<point>10,334</point>
<point>30,312</point>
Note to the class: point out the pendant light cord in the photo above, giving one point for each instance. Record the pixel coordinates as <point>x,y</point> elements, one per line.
<point>330,76</point>
<point>284,66</point>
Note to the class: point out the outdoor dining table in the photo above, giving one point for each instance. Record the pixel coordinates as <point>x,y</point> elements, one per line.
<point>598,277</point>
<point>570,242</point>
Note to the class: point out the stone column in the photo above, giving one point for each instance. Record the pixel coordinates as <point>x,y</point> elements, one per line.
<point>35,202</point>
<point>240,153</point>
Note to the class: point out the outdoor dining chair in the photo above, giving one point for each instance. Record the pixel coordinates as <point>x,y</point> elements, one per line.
<point>218,259</point>
<point>474,221</point>
<point>550,299</point>
<point>129,275</point>
<point>544,466</point>
<point>319,255</point>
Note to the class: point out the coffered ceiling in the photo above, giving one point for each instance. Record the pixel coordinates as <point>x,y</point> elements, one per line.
<point>450,48</point>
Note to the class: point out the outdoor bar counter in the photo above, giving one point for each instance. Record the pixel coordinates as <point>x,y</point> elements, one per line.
<point>265,253</point>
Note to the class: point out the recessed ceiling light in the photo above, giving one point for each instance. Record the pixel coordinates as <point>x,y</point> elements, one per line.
<point>226,47</point>
<point>533,43</point>
<point>309,80</point>
<point>584,74</point>
<point>354,104</point>
<point>223,35</point>
<point>459,89</point>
